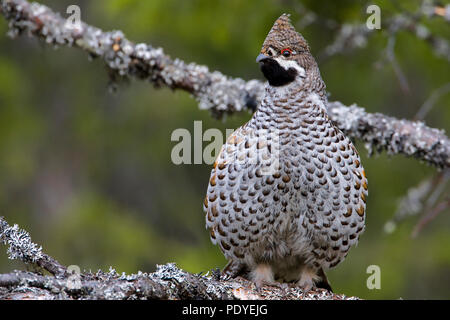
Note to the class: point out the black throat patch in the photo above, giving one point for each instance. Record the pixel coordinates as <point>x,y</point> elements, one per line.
<point>276,74</point>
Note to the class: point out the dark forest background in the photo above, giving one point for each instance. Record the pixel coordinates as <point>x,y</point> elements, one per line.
<point>88,172</point>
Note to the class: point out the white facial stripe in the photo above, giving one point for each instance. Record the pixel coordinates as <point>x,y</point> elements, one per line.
<point>272,51</point>
<point>286,64</point>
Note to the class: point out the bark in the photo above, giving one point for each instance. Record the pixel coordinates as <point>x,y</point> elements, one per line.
<point>167,282</point>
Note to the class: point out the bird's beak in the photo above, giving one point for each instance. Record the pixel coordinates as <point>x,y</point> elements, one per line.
<point>261,57</point>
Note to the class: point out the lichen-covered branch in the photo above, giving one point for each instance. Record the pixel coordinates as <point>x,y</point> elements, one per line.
<point>167,282</point>
<point>213,90</point>
<point>20,247</point>
<point>396,136</point>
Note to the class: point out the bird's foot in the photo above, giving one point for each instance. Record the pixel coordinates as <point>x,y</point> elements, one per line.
<point>232,270</point>
<point>262,275</point>
<point>307,280</point>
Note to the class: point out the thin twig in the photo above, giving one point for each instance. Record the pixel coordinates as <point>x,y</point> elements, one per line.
<point>390,54</point>
<point>429,216</point>
<point>419,199</point>
<point>431,101</point>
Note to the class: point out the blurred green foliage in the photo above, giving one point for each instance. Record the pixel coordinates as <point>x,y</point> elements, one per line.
<point>88,173</point>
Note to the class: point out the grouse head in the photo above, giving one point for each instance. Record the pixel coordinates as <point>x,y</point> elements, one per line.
<point>285,56</point>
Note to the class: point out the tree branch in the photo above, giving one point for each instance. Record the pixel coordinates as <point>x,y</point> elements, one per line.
<point>213,90</point>
<point>22,248</point>
<point>167,282</point>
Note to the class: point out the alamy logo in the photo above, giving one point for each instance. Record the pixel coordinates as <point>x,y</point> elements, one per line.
<point>74,279</point>
<point>74,20</point>
<point>182,151</point>
<point>374,20</point>
<point>259,147</point>
<point>374,280</point>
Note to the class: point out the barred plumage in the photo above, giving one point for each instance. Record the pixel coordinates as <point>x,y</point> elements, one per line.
<point>286,197</point>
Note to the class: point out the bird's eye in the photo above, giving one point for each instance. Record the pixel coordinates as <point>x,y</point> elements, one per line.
<point>286,52</point>
<point>269,52</point>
